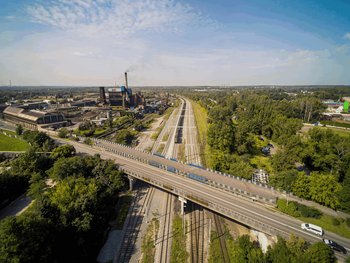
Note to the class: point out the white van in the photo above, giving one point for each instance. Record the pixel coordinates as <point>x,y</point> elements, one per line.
<point>312,228</point>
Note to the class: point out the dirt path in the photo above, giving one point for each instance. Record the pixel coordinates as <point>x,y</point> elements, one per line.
<point>145,141</point>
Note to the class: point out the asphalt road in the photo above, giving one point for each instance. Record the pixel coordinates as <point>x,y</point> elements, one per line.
<point>225,200</point>
<point>243,185</point>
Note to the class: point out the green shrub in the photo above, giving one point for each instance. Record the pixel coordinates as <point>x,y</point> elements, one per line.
<point>335,221</point>
<point>290,209</point>
<point>347,221</point>
<point>307,211</point>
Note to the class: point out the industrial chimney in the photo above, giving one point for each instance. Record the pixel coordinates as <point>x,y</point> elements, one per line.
<point>102,95</point>
<point>126,80</point>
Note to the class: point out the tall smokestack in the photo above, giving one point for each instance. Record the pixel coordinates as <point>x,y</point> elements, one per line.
<point>126,80</point>
<point>102,95</point>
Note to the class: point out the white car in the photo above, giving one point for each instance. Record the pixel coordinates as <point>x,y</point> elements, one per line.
<point>312,228</point>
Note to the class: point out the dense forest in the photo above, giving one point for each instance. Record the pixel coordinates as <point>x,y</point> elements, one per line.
<point>74,199</point>
<point>313,164</point>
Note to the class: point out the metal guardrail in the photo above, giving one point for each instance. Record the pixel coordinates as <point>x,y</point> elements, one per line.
<point>236,191</point>
<point>256,224</point>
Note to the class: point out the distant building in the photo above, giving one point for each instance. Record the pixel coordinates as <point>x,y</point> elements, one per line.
<point>119,96</point>
<point>122,97</point>
<point>333,106</point>
<point>32,119</point>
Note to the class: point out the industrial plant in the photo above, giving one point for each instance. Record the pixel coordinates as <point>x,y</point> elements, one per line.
<point>98,106</point>
<point>122,96</point>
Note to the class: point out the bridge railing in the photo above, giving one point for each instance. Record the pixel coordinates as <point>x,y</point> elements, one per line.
<point>234,190</point>
<point>233,214</point>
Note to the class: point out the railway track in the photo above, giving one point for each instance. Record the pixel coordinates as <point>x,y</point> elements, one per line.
<point>166,231</point>
<point>133,224</point>
<point>164,244</point>
<point>197,233</point>
<point>221,235</point>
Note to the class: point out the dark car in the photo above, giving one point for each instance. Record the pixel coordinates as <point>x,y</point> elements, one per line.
<point>334,245</point>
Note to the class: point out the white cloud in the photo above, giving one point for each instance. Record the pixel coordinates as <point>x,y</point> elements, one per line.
<point>116,17</point>
<point>347,36</point>
<point>82,54</point>
<point>57,59</point>
<point>10,17</point>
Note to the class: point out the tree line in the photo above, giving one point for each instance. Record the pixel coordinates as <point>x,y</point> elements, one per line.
<point>314,165</point>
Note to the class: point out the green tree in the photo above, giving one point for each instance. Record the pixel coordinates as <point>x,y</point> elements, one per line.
<point>63,151</point>
<point>19,129</point>
<point>281,161</point>
<point>321,154</point>
<point>301,186</point>
<point>320,253</point>
<point>25,239</point>
<point>64,167</point>
<point>124,137</point>
<point>63,133</point>
<point>283,180</point>
<point>39,140</point>
<point>28,163</point>
<point>76,199</point>
<point>324,189</point>
<point>279,252</point>
<point>36,185</point>
<point>221,136</point>
<point>246,251</point>
<point>343,194</point>
<point>138,125</point>
<point>297,247</point>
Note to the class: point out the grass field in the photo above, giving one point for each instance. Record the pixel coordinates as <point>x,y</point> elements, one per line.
<point>200,115</point>
<point>336,123</point>
<point>12,144</point>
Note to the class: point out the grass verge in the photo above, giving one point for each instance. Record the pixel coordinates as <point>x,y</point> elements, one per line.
<point>215,255</point>
<point>161,148</point>
<point>148,242</point>
<point>8,143</point>
<point>327,222</point>
<point>165,137</point>
<point>200,116</point>
<point>181,153</point>
<point>335,123</point>
<point>178,249</point>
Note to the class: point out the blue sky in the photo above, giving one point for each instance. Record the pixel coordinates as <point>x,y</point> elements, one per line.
<point>175,42</point>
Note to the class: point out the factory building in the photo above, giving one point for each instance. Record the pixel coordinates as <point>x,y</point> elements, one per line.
<point>32,119</point>
<point>121,96</point>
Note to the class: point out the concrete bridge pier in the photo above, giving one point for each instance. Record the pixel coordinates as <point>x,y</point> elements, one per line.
<point>132,180</point>
<point>183,201</point>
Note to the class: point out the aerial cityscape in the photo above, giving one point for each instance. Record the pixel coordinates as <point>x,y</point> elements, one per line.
<point>175,131</point>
